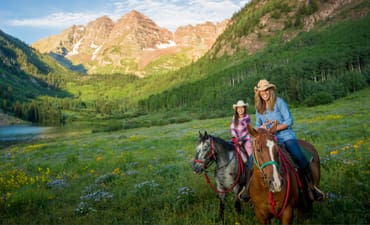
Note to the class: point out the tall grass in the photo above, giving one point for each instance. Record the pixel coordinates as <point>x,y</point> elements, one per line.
<point>143,175</point>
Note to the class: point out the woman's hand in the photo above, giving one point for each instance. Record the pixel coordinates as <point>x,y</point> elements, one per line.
<point>268,123</point>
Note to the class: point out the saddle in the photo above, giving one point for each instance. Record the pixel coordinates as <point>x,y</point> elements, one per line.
<point>305,152</point>
<point>314,192</point>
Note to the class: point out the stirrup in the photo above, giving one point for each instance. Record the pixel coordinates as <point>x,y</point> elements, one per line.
<point>317,194</point>
<point>243,195</point>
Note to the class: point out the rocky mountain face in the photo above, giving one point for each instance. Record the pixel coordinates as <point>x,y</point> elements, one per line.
<point>268,18</point>
<point>131,45</point>
<point>202,36</point>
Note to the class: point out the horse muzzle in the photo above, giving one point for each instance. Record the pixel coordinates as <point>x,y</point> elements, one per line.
<point>198,166</point>
<point>275,185</point>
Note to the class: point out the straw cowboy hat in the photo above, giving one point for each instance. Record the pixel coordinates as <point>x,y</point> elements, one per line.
<point>263,85</point>
<point>239,104</point>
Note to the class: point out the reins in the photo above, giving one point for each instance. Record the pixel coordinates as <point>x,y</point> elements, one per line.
<point>271,197</point>
<point>240,170</point>
<point>285,162</point>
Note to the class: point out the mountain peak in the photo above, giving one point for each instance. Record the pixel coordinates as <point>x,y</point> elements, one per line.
<point>129,44</point>
<point>135,12</point>
<point>139,30</point>
<point>104,18</point>
<point>135,18</point>
<point>101,21</point>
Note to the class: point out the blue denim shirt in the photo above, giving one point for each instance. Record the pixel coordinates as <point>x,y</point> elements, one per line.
<point>283,115</point>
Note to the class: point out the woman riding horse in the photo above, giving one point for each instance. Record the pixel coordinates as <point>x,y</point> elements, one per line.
<point>275,188</point>
<point>270,108</point>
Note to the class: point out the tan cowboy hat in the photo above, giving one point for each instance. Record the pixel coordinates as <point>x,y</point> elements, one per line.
<point>263,85</point>
<point>239,104</point>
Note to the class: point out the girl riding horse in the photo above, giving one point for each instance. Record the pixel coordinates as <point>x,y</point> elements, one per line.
<point>229,171</point>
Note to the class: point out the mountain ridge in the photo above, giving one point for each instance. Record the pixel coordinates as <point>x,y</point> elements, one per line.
<point>309,67</point>
<point>130,44</point>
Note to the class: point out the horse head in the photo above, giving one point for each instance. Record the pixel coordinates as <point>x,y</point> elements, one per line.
<point>204,154</point>
<point>266,156</point>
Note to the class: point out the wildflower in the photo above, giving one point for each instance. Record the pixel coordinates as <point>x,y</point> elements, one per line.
<point>106,178</point>
<point>57,184</point>
<point>334,152</point>
<point>33,147</point>
<point>47,172</point>
<point>116,171</point>
<point>149,185</point>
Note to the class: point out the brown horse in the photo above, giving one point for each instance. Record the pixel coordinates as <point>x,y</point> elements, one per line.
<point>275,188</point>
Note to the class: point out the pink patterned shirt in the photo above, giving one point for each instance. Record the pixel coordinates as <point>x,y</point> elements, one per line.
<point>241,131</point>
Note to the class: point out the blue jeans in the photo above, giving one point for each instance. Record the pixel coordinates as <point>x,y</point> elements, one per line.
<point>250,162</point>
<point>295,151</point>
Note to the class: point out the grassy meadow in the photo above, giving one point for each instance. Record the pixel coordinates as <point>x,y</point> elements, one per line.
<point>143,175</point>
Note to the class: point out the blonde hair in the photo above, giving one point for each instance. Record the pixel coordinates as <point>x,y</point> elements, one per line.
<point>260,105</point>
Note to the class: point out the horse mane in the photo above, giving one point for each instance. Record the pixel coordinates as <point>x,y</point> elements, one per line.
<point>227,145</point>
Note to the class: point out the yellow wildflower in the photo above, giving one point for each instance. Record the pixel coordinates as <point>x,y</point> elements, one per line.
<point>117,171</point>
<point>334,152</point>
<point>33,147</point>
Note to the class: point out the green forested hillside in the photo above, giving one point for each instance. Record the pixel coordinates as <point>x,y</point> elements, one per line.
<point>311,67</point>
<point>314,68</point>
<point>25,77</point>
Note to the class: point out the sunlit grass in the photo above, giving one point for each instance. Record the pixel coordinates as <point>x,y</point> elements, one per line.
<point>143,175</point>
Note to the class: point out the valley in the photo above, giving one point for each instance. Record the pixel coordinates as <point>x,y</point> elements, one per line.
<point>127,100</point>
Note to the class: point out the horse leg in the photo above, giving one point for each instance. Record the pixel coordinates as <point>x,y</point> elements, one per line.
<point>262,218</point>
<point>305,210</point>
<point>238,209</point>
<point>288,215</point>
<point>222,208</point>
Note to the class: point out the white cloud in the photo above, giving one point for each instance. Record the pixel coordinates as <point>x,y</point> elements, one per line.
<point>166,13</point>
<point>171,14</point>
<point>60,19</point>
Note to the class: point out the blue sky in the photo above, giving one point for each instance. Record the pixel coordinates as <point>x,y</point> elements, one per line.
<point>31,20</point>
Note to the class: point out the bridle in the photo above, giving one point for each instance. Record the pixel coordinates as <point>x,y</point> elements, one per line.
<point>285,164</point>
<point>265,164</point>
<point>211,158</point>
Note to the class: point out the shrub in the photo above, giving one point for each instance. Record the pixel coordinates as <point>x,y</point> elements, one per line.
<point>319,98</point>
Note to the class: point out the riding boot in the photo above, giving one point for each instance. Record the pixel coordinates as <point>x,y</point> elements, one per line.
<point>248,173</point>
<point>315,193</point>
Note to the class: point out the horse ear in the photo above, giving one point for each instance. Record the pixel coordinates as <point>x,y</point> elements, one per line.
<point>200,134</point>
<point>205,134</point>
<point>274,127</point>
<point>251,130</point>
